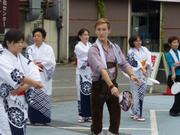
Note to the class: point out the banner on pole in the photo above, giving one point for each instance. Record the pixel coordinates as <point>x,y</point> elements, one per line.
<point>155,58</point>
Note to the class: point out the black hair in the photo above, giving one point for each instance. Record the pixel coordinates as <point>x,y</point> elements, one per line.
<point>13,35</point>
<point>81,31</point>
<point>132,39</point>
<point>41,30</point>
<point>172,38</point>
<point>166,47</point>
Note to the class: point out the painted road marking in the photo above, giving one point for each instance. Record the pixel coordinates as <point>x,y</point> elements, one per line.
<point>153,125</point>
<point>73,87</point>
<point>153,120</point>
<point>88,128</point>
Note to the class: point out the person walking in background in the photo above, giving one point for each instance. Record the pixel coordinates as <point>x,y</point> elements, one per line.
<point>83,76</point>
<point>173,61</point>
<point>139,57</point>
<point>14,82</point>
<point>103,58</point>
<point>43,56</point>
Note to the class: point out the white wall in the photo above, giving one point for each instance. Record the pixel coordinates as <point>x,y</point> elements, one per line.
<point>52,37</point>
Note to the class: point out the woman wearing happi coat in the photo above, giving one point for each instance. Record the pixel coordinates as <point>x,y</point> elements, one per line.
<point>43,56</point>
<point>14,81</point>
<point>173,61</point>
<point>83,76</point>
<point>139,57</point>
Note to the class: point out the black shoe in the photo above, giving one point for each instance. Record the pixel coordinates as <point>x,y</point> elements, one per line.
<point>45,124</point>
<point>174,114</point>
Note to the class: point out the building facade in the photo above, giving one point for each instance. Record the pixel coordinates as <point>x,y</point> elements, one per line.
<point>26,15</point>
<point>154,20</point>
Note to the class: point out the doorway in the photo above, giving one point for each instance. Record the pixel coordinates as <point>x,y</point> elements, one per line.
<point>145,21</point>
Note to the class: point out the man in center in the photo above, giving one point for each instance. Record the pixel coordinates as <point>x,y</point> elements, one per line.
<point>103,58</point>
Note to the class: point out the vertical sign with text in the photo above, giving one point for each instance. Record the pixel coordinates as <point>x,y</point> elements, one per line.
<point>155,58</point>
<point>3,14</point>
<point>1,24</point>
<point>9,14</point>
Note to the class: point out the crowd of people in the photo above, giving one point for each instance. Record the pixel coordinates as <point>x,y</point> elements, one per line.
<point>26,79</point>
<point>25,82</point>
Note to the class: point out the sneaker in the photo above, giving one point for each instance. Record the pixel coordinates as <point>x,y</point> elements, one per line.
<point>132,116</point>
<point>137,118</point>
<point>174,114</point>
<point>89,119</point>
<point>140,119</point>
<point>81,119</point>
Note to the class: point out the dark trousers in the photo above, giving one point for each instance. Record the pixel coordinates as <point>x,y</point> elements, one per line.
<point>36,116</point>
<point>176,106</point>
<point>99,95</point>
<point>17,131</point>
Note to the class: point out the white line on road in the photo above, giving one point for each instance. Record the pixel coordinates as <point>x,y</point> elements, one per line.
<point>105,128</point>
<point>72,87</point>
<point>153,123</point>
<point>88,128</point>
<point>68,87</point>
<point>162,110</point>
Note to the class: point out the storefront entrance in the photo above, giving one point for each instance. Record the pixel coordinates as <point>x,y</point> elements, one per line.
<point>145,21</point>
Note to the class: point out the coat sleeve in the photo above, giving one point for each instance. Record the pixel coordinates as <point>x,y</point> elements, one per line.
<point>28,53</point>
<point>49,64</point>
<point>81,56</point>
<point>136,65</point>
<point>170,60</point>
<point>94,60</point>
<point>11,75</point>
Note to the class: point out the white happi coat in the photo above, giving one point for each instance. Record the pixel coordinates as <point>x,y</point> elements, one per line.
<point>45,55</point>
<point>143,54</point>
<point>82,69</point>
<point>4,126</point>
<point>136,58</point>
<point>12,70</point>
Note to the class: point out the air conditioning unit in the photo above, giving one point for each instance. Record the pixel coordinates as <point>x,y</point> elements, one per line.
<point>53,12</point>
<point>34,10</point>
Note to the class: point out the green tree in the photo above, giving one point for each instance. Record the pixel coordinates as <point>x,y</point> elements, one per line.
<point>101,8</point>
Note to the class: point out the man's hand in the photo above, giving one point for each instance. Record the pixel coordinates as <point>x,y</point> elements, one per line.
<point>115,91</point>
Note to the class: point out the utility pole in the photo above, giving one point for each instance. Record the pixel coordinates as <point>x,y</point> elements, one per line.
<point>64,33</point>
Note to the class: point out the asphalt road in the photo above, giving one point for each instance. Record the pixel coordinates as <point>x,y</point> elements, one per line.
<point>64,85</point>
<point>64,110</point>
